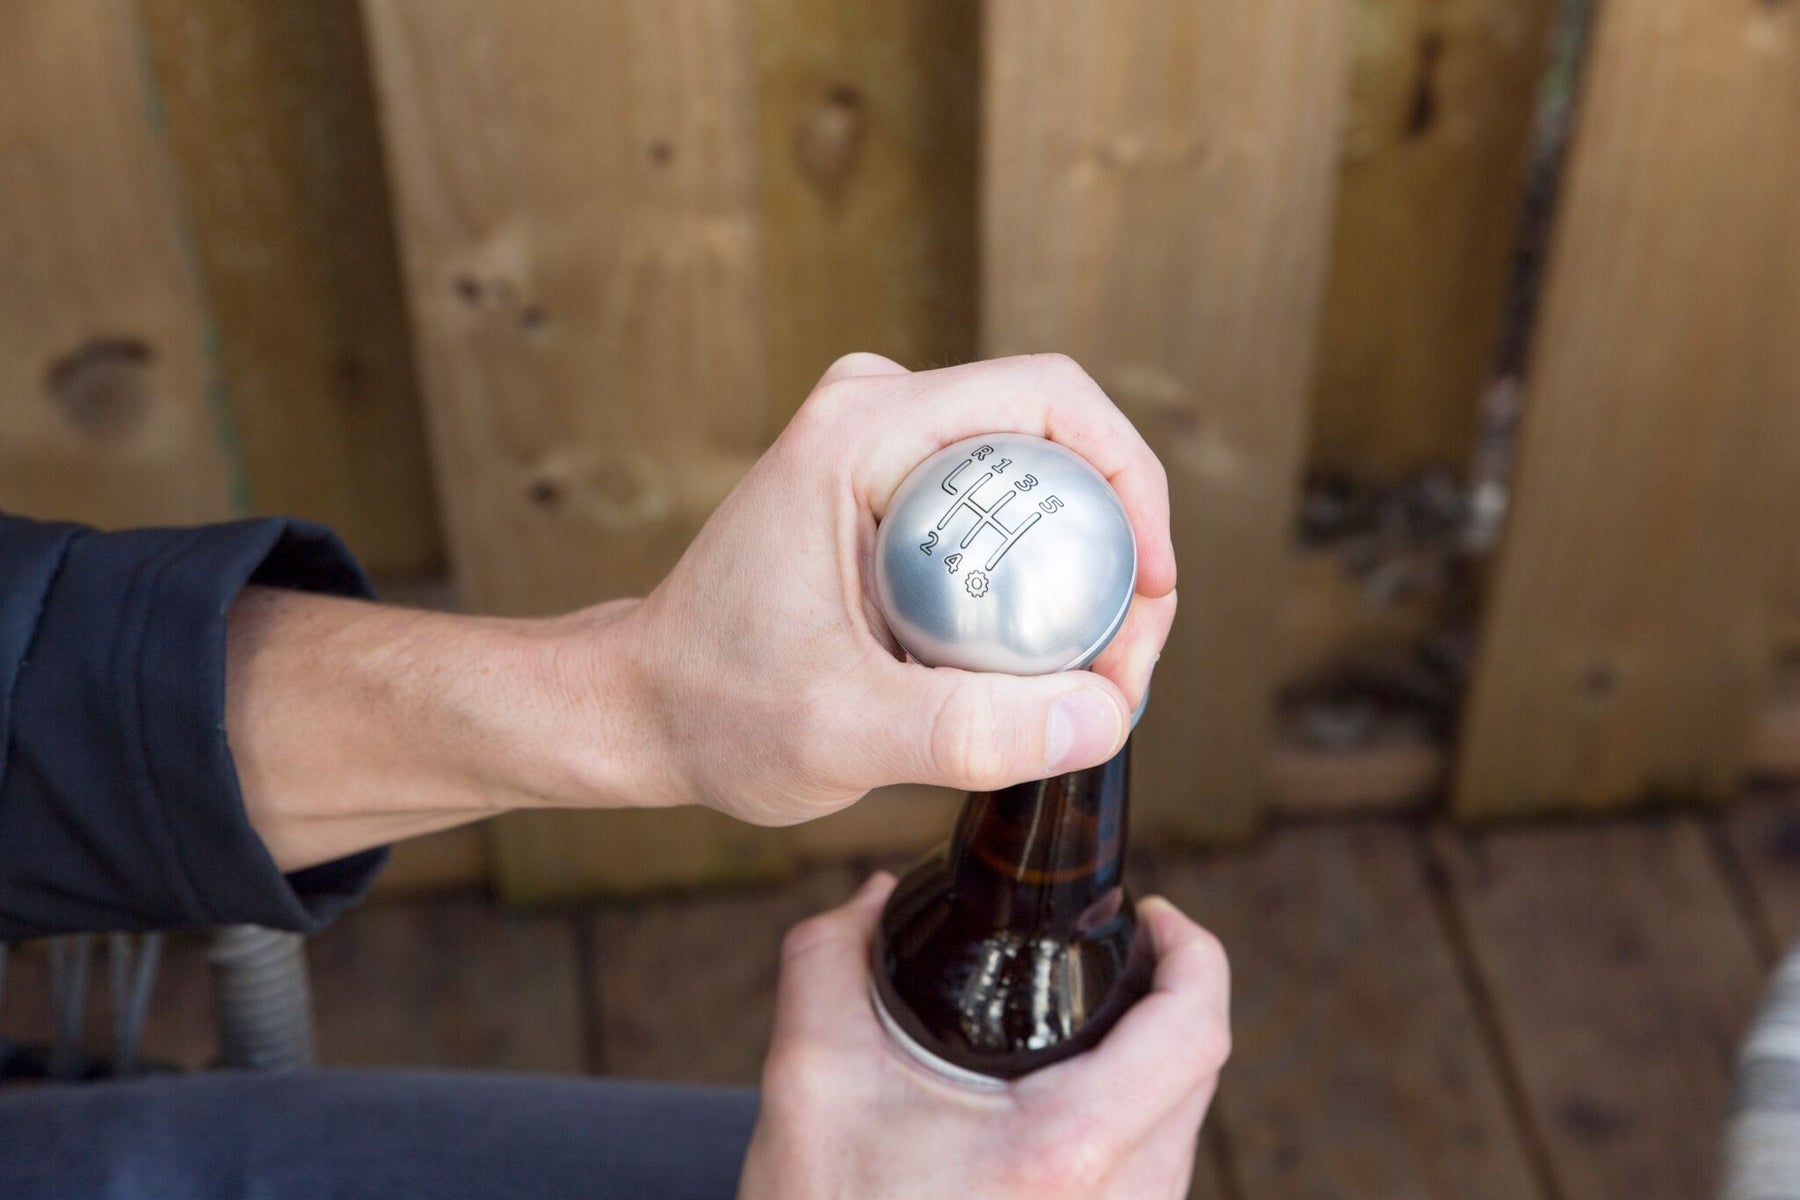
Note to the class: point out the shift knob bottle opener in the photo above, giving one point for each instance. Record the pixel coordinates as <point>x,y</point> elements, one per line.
<point>1014,945</point>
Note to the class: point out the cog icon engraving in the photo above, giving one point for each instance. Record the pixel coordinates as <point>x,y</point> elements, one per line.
<point>977,583</point>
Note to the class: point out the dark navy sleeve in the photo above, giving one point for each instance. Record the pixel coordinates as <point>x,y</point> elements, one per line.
<point>119,802</point>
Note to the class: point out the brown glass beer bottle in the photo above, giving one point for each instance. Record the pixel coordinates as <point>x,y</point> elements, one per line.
<point>1015,944</point>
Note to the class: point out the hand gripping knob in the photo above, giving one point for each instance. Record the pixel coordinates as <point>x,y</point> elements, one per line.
<point>1005,552</point>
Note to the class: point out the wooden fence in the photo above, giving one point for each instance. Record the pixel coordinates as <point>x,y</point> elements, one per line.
<point>519,290</point>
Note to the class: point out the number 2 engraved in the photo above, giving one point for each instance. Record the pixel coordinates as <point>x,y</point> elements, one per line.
<point>1050,503</point>
<point>930,541</point>
<point>953,562</point>
<point>1026,483</point>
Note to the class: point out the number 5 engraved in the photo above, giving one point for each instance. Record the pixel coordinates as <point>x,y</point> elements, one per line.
<point>1050,503</point>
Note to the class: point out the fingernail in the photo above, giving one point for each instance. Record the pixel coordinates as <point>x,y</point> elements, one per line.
<point>1137,714</point>
<point>1082,728</point>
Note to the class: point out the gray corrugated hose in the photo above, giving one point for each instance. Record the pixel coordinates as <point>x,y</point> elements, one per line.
<point>265,1005</point>
<point>1762,1137</point>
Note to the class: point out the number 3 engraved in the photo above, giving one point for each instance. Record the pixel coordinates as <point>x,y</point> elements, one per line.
<point>1026,483</point>
<point>930,541</point>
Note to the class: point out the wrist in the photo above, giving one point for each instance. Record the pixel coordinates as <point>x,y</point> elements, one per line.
<point>353,725</point>
<point>586,724</point>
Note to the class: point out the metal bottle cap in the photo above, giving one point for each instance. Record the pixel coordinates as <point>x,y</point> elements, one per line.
<point>1005,552</point>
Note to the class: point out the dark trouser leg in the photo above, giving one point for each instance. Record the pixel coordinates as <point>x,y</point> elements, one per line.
<point>381,1135</point>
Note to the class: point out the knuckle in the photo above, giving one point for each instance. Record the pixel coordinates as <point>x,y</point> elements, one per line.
<point>854,363</point>
<point>795,1069</point>
<point>1075,1162</point>
<point>807,937</point>
<point>967,743</point>
<point>1212,1046</point>
<point>835,392</point>
<point>1054,362</point>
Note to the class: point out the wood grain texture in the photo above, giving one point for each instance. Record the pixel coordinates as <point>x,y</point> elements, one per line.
<point>1441,97</point>
<point>1159,179</point>
<point>685,988</point>
<point>1358,1067</point>
<point>279,165</point>
<point>582,263</point>
<point>867,119</point>
<point>575,188</point>
<point>107,411</point>
<point>1629,633</point>
<point>448,982</point>
<point>1623,979</point>
<point>1763,834</point>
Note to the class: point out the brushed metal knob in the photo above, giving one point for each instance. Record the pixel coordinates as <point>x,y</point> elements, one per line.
<point>1005,552</point>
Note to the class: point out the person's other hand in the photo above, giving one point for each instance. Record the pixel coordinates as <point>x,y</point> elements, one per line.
<point>846,1113</point>
<point>772,685</point>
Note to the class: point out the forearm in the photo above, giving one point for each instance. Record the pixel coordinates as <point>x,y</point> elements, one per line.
<point>355,725</point>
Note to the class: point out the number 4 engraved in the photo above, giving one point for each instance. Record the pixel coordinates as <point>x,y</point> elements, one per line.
<point>953,562</point>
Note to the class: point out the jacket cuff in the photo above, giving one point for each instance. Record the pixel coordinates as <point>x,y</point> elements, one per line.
<point>181,702</point>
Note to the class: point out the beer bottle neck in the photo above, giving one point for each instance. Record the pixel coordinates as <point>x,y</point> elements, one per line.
<point>1046,855</point>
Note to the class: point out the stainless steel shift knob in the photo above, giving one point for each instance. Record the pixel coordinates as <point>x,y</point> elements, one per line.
<point>1005,552</point>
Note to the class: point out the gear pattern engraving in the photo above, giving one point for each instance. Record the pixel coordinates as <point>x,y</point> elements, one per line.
<point>977,583</point>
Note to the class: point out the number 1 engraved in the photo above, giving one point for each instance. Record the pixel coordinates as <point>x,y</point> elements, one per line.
<point>930,541</point>
<point>999,465</point>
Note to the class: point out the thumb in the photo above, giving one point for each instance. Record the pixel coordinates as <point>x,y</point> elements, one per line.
<point>978,731</point>
<point>823,993</point>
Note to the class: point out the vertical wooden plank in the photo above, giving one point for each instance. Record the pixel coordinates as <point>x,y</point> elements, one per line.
<point>106,406</point>
<point>1623,979</point>
<point>1358,1067</point>
<point>575,189</point>
<point>272,127</point>
<point>449,983</point>
<point>867,120</point>
<point>1630,630</point>
<point>1428,210</point>
<point>1159,179</point>
<point>582,262</point>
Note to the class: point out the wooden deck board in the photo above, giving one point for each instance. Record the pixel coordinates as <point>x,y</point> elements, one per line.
<point>1359,1068</point>
<point>1623,978</point>
<point>685,986</point>
<point>1764,837</point>
<point>449,983</point>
